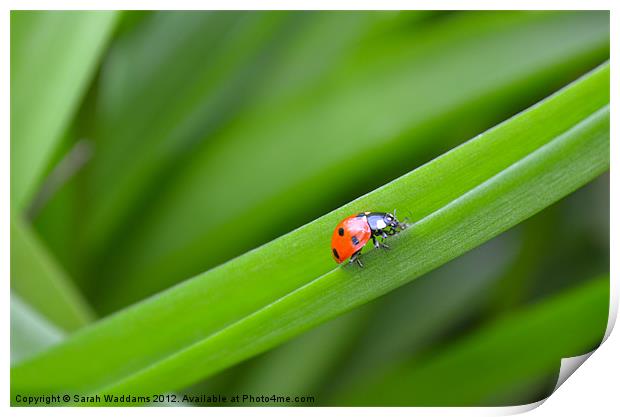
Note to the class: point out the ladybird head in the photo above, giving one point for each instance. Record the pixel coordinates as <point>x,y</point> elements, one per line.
<point>397,225</point>
<point>391,220</point>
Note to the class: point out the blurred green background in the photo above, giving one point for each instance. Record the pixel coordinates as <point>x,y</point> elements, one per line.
<point>147,147</point>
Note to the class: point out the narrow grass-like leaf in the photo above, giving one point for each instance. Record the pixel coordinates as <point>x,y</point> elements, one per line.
<point>522,345</point>
<point>41,282</point>
<point>286,161</point>
<point>53,57</point>
<point>268,295</point>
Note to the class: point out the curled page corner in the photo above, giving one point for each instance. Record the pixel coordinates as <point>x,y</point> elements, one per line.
<point>520,409</point>
<point>568,366</point>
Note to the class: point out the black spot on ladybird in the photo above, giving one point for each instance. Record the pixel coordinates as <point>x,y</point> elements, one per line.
<point>336,253</point>
<point>341,231</point>
<point>355,240</point>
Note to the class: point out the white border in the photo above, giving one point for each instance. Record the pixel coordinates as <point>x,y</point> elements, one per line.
<point>592,390</point>
<point>312,5</point>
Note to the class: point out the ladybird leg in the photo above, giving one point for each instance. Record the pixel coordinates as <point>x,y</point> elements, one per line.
<point>380,244</point>
<point>359,262</point>
<point>385,236</point>
<point>375,241</point>
<point>356,258</point>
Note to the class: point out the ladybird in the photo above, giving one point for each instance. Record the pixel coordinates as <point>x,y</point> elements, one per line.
<point>352,233</point>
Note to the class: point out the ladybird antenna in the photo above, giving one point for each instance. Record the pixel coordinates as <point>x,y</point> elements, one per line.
<point>406,219</point>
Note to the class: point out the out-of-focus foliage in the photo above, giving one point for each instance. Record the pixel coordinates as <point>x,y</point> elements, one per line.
<point>38,278</point>
<point>211,133</point>
<point>53,59</point>
<point>30,332</point>
<point>525,345</point>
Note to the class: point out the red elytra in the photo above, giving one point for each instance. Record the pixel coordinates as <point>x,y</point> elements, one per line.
<point>350,235</point>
